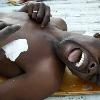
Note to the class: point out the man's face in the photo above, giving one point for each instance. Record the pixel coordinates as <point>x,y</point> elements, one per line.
<point>81,54</point>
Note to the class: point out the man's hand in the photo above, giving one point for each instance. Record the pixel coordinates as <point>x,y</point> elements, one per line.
<point>37,11</point>
<point>6,30</point>
<point>30,0</point>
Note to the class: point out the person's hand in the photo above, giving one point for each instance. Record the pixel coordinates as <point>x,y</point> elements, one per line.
<point>30,0</point>
<point>6,30</point>
<point>38,12</point>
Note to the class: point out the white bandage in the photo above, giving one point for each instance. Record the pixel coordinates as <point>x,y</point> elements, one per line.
<point>15,48</point>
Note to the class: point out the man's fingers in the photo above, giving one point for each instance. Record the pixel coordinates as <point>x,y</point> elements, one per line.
<point>30,9</point>
<point>46,17</point>
<point>5,32</point>
<point>41,12</point>
<point>3,25</point>
<point>35,11</point>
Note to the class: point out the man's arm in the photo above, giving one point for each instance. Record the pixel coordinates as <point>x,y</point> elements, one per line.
<point>37,84</point>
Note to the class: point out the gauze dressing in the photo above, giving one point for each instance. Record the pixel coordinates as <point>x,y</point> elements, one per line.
<point>15,48</point>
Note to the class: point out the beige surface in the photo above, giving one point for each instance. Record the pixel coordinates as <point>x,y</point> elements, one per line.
<point>72,85</point>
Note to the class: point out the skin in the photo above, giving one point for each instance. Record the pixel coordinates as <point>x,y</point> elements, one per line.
<point>38,73</point>
<point>32,0</point>
<point>6,30</point>
<point>38,69</point>
<point>90,46</point>
<point>42,16</point>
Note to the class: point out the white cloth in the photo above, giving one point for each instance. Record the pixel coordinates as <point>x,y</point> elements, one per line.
<point>15,48</point>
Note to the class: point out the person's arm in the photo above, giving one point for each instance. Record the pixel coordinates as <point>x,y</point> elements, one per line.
<point>36,84</point>
<point>6,30</point>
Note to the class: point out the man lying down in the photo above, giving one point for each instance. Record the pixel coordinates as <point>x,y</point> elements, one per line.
<point>34,59</point>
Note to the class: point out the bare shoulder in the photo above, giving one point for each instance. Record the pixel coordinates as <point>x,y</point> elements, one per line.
<point>45,77</point>
<point>59,23</point>
<point>50,71</point>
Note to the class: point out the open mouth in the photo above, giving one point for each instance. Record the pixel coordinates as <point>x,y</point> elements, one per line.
<point>81,59</point>
<point>80,63</point>
<point>78,58</point>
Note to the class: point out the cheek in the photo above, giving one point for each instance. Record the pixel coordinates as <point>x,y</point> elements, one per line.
<point>97,51</point>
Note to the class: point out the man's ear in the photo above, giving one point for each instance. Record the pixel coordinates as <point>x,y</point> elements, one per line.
<point>97,35</point>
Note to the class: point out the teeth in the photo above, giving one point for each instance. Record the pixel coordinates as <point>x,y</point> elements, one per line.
<point>81,61</point>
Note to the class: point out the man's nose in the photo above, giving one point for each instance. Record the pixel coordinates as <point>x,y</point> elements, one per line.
<point>92,68</point>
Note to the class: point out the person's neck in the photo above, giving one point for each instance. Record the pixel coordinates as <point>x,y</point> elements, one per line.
<point>60,35</point>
